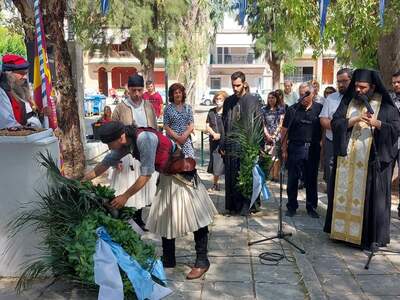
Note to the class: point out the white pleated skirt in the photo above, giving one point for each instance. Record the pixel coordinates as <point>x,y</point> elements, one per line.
<point>122,180</point>
<point>179,209</point>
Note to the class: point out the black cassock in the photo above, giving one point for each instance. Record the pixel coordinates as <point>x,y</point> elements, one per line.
<point>376,221</point>
<point>235,108</point>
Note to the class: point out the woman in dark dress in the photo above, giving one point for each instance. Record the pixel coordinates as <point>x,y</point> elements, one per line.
<point>215,128</point>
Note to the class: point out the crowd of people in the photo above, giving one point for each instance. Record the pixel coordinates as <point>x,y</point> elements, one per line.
<point>351,132</point>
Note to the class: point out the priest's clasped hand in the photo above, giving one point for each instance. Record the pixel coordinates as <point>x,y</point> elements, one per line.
<point>370,120</point>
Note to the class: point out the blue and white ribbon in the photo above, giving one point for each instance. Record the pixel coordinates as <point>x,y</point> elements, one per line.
<point>106,260</point>
<point>259,185</point>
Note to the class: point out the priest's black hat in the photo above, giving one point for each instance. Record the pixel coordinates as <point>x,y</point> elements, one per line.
<point>135,80</point>
<point>111,131</point>
<point>364,75</point>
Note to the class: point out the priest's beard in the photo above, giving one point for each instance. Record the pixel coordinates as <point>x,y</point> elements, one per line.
<point>369,95</point>
<point>19,89</point>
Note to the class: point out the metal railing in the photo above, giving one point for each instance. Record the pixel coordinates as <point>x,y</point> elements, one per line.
<point>299,78</point>
<point>232,59</point>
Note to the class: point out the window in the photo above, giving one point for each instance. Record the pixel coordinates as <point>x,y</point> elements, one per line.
<point>215,83</point>
<point>301,74</point>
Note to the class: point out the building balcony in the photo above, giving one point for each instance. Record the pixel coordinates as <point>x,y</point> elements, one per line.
<point>235,59</point>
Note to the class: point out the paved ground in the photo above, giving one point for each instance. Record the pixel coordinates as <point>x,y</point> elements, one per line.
<point>328,270</point>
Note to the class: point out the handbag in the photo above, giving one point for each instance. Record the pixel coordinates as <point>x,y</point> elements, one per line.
<point>218,163</point>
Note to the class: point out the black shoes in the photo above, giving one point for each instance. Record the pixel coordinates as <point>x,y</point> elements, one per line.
<point>290,213</point>
<point>313,214</point>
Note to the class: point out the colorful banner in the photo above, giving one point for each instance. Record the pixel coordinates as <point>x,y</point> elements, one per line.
<point>323,9</point>
<point>41,72</point>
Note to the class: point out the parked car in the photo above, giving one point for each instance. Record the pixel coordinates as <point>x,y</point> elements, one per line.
<point>207,98</point>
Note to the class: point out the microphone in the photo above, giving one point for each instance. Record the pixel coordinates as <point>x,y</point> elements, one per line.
<point>364,99</point>
<point>306,94</point>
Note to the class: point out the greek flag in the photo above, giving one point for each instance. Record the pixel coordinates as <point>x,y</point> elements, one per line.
<point>105,6</point>
<point>381,11</point>
<point>323,9</point>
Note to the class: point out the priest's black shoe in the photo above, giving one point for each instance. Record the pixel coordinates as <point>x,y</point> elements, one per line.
<point>290,213</point>
<point>313,214</point>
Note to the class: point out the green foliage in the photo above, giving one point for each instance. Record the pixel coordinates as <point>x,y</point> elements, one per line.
<point>355,29</point>
<point>287,27</point>
<point>288,68</point>
<point>268,24</point>
<point>80,252</point>
<point>11,42</point>
<point>142,22</point>
<point>67,216</point>
<point>193,37</point>
<point>248,134</point>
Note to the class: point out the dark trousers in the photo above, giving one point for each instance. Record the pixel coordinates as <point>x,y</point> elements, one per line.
<point>201,244</point>
<point>234,200</point>
<point>328,159</point>
<point>303,164</point>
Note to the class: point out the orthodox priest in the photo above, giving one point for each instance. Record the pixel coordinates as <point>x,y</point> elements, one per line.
<point>365,130</point>
<point>243,107</point>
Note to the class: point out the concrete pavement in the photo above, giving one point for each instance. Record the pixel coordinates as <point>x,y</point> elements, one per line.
<point>328,270</point>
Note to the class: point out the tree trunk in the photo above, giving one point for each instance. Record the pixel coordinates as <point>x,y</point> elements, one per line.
<point>148,70</point>
<point>275,66</point>
<point>72,148</point>
<point>389,56</point>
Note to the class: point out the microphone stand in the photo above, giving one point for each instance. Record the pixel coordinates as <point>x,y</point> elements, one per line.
<point>281,235</point>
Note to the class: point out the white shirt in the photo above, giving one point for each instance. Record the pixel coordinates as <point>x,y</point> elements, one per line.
<point>139,114</point>
<point>7,118</point>
<point>330,106</point>
<point>291,98</point>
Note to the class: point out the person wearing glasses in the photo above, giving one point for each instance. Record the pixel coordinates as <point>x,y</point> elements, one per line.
<point>330,105</point>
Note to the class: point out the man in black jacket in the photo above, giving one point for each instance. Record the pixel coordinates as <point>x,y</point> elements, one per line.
<point>243,107</point>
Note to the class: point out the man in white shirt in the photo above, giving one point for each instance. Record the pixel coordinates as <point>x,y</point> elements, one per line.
<point>329,108</point>
<point>290,96</point>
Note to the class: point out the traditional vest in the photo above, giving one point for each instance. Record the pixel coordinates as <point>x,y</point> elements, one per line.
<point>168,160</point>
<point>163,152</point>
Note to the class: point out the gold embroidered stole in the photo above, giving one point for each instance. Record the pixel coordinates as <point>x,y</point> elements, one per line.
<point>351,178</point>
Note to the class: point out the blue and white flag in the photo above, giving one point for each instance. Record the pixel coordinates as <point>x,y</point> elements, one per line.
<point>259,185</point>
<point>323,9</point>
<point>242,11</point>
<point>104,6</point>
<point>381,11</point>
<point>106,260</point>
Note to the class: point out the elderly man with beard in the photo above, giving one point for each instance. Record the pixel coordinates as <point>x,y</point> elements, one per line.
<point>365,130</point>
<point>15,107</point>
